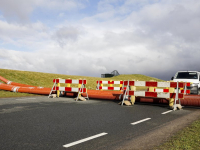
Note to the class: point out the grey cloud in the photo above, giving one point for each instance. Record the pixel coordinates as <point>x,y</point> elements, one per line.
<point>66,35</point>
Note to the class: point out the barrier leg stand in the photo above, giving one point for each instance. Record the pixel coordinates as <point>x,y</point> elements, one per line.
<point>51,90</point>
<point>133,88</point>
<point>125,93</point>
<point>176,98</point>
<point>79,93</point>
<point>171,100</point>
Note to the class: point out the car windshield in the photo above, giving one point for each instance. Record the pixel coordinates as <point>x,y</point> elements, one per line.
<point>186,75</point>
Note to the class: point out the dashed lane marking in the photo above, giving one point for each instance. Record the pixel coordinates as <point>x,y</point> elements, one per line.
<point>166,112</point>
<point>84,140</point>
<point>134,123</point>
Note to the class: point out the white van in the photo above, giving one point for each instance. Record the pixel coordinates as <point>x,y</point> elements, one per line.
<point>189,76</point>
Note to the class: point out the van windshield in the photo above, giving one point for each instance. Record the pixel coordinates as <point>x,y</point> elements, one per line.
<point>187,75</point>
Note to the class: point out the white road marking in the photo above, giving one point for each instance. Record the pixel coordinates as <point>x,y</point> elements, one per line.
<point>25,98</point>
<point>166,112</point>
<point>134,123</point>
<point>84,140</point>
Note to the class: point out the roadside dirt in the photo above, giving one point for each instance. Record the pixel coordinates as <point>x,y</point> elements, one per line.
<point>160,135</point>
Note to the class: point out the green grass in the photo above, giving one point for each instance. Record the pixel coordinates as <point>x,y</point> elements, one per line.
<point>186,139</point>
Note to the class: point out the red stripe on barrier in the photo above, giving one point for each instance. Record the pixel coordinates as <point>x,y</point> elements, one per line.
<point>68,89</point>
<point>151,83</point>
<point>55,80</point>
<point>110,82</point>
<point>131,93</point>
<point>125,83</point>
<point>83,90</point>
<point>110,88</point>
<point>121,82</point>
<point>100,82</point>
<point>187,84</point>
<point>69,81</point>
<point>150,94</point>
<point>174,84</point>
<point>100,88</point>
<point>82,81</point>
<point>165,90</point>
<point>131,83</point>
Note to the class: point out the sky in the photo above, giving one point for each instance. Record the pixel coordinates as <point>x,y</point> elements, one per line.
<point>156,38</point>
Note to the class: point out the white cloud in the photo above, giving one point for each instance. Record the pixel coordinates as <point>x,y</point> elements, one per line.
<point>155,38</point>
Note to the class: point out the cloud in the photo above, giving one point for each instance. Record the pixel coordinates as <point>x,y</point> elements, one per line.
<point>64,35</point>
<point>151,37</point>
<point>20,11</point>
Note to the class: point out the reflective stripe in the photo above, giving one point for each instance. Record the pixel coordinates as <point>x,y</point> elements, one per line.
<point>9,82</point>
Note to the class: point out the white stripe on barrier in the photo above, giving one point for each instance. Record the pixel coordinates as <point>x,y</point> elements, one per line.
<point>61,88</point>
<point>163,84</point>
<point>104,88</point>
<point>139,93</point>
<point>158,90</point>
<point>163,95</point>
<point>75,89</point>
<point>140,83</point>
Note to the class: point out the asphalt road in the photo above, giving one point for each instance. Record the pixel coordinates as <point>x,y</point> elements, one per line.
<point>29,123</point>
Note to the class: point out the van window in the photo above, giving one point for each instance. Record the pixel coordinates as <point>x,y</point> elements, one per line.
<point>187,75</point>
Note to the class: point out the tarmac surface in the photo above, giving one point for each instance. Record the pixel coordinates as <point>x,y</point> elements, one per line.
<point>63,123</point>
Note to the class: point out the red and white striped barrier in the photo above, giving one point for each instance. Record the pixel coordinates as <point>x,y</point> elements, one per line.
<point>158,93</point>
<point>79,90</point>
<point>100,87</point>
<point>156,84</point>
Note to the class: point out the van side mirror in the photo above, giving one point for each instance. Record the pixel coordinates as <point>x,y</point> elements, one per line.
<point>172,78</point>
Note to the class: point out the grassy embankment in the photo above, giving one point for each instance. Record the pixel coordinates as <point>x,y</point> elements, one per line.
<point>189,138</point>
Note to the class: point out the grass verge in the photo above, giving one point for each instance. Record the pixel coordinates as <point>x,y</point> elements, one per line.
<point>186,139</point>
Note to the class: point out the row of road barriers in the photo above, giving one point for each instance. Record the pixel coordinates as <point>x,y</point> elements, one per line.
<point>174,91</point>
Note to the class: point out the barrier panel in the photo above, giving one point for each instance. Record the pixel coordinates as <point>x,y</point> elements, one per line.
<point>80,89</point>
<point>101,87</point>
<point>170,93</point>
